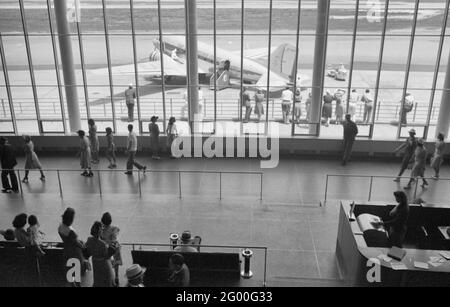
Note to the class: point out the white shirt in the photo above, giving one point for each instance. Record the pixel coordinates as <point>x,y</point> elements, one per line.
<point>132,142</point>
<point>287,95</point>
<point>172,129</point>
<point>354,97</point>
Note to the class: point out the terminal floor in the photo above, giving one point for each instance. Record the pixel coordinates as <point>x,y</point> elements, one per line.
<point>300,234</point>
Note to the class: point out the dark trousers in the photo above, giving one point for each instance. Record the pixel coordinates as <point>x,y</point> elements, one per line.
<point>130,112</point>
<point>348,146</point>
<point>132,162</point>
<point>6,182</point>
<point>248,113</point>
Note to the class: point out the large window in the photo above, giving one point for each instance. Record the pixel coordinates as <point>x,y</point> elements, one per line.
<point>395,49</point>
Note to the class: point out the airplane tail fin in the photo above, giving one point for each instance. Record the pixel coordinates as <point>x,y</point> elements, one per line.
<point>283,61</point>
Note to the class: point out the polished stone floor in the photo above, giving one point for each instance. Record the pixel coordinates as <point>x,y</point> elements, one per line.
<point>299,233</point>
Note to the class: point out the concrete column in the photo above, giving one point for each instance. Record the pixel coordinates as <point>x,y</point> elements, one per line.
<point>319,63</point>
<point>70,83</point>
<point>444,112</point>
<point>192,60</point>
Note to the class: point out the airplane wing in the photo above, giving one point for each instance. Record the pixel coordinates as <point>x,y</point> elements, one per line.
<point>171,68</point>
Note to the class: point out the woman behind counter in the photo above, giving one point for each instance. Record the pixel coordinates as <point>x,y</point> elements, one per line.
<point>396,223</point>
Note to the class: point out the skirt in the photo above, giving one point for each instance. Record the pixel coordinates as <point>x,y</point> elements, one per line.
<point>327,110</point>
<point>437,161</point>
<point>298,110</point>
<point>339,110</point>
<point>32,161</point>
<point>418,171</point>
<point>286,107</point>
<point>85,159</point>
<point>259,108</point>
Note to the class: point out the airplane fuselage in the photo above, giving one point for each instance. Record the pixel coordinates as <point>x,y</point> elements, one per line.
<point>252,70</point>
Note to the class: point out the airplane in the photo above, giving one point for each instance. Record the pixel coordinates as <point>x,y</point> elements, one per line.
<point>228,65</point>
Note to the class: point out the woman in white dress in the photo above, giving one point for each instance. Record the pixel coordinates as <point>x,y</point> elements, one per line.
<point>31,159</point>
<point>438,157</point>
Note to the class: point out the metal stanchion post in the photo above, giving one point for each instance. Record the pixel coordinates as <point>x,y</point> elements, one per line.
<point>179,182</point>
<point>326,192</point>
<point>20,183</point>
<point>370,189</point>
<point>261,188</point>
<point>140,187</point>
<point>59,182</point>
<point>220,186</point>
<point>246,273</point>
<point>99,183</point>
<point>415,191</point>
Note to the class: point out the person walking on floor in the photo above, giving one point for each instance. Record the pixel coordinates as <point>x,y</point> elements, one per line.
<point>259,104</point>
<point>420,161</point>
<point>132,145</point>
<point>153,128</point>
<point>308,107</point>
<point>438,157</point>
<point>409,148</point>
<point>350,133</point>
<point>85,155</point>
<point>31,159</point>
<point>93,138</point>
<point>130,96</point>
<point>172,134</point>
<point>8,162</point>
<point>111,149</point>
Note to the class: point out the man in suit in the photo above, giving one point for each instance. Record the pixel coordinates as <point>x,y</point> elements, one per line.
<point>350,133</point>
<point>8,162</point>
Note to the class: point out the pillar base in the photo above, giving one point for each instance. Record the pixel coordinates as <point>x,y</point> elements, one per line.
<point>246,275</point>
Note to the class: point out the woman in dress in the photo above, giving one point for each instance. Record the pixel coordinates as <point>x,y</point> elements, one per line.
<point>85,155</point>
<point>110,236</point>
<point>438,157</point>
<point>327,108</point>
<point>73,247</point>
<point>339,111</point>
<point>101,253</point>
<point>93,138</point>
<point>31,159</point>
<point>259,104</point>
<point>110,149</point>
<point>172,134</point>
<point>420,161</point>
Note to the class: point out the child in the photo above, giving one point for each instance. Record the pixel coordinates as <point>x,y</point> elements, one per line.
<point>111,149</point>
<point>109,235</point>
<point>36,236</point>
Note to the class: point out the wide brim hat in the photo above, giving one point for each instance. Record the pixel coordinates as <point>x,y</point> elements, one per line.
<point>412,131</point>
<point>154,118</point>
<point>135,271</point>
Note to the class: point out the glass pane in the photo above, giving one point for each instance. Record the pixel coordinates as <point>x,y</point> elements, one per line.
<point>92,20</point>
<point>36,15</point>
<point>145,16</point>
<point>118,17</point>
<point>11,21</point>
<point>342,16</point>
<point>229,16</point>
<point>173,17</point>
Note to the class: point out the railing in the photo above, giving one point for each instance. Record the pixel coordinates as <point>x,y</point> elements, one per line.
<point>413,191</point>
<point>386,112</point>
<point>220,174</point>
<point>142,246</point>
